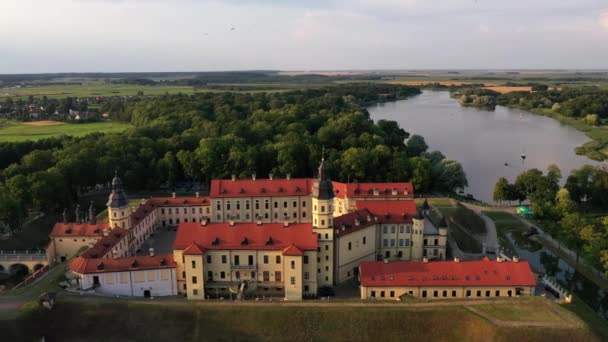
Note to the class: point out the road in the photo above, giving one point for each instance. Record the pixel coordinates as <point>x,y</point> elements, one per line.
<point>491,238</point>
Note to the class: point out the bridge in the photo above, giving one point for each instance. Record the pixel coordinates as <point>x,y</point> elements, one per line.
<point>15,261</point>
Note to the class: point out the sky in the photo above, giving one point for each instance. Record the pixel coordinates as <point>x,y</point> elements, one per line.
<point>39,36</point>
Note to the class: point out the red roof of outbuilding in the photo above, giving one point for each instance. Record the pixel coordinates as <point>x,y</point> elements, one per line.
<point>82,265</point>
<point>390,211</point>
<point>104,245</point>
<point>78,229</point>
<point>371,190</point>
<point>260,187</point>
<point>483,272</point>
<point>267,236</point>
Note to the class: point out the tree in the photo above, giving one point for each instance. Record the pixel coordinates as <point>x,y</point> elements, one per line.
<point>563,203</point>
<point>416,145</point>
<point>452,176</point>
<point>420,173</point>
<point>501,190</point>
<point>571,225</point>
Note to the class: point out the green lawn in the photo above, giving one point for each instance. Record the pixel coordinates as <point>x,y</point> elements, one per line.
<point>14,131</point>
<point>541,311</point>
<point>111,320</point>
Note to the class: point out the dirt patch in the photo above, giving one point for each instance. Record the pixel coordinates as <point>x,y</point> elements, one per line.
<point>44,123</point>
<point>504,90</point>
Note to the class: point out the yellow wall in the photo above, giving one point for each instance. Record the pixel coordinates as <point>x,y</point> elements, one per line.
<point>194,272</point>
<point>299,213</point>
<point>68,246</point>
<point>450,292</point>
<point>292,268</point>
<point>348,260</point>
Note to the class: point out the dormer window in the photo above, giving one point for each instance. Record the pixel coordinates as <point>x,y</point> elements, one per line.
<point>100,266</point>
<point>134,264</point>
<point>215,241</point>
<point>244,242</point>
<point>269,241</point>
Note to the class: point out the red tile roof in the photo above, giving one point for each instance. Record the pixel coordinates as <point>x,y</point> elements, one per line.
<point>483,272</point>
<point>193,249</point>
<point>347,223</point>
<point>366,190</point>
<point>141,212</point>
<point>292,250</point>
<point>260,187</point>
<point>390,211</point>
<point>82,265</point>
<point>268,236</point>
<point>104,245</point>
<point>78,229</point>
<point>178,201</point>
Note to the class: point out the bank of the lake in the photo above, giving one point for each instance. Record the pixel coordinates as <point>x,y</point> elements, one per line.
<point>488,143</point>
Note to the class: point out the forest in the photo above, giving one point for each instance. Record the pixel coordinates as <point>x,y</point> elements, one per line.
<point>213,135</point>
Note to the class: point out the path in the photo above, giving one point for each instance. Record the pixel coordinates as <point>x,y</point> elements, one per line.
<point>491,238</point>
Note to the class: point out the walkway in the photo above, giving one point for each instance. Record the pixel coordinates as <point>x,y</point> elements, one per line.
<point>491,238</point>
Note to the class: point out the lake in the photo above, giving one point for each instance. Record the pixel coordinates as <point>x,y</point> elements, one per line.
<point>483,141</point>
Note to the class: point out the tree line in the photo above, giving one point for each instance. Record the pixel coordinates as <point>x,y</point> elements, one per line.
<point>213,135</point>
<point>566,213</point>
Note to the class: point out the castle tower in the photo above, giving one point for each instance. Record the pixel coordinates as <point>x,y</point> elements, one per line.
<point>119,212</point>
<point>322,220</point>
<point>418,235</point>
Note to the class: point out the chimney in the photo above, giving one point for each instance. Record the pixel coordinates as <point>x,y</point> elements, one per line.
<point>173,194</point>
<point>285,223</point>
<point>258,222</point>
<point>106,232</point>
<point>386,261</point>
<point>270,175</point>
<point>515,259</point>
<point>204,222</point>
<point>198,194</point>
<point>456,259</point>
<point>151,250</point>
<point>357,222</point>
<point>253,176</point>
<point>425,259</point>
<point>233,177</point>
<point>231,223</point>
<point>498,259</point>
<point>288,176</point>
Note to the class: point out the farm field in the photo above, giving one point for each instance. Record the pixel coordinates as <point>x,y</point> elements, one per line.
<point>92,90</point>
<point>12,131</point>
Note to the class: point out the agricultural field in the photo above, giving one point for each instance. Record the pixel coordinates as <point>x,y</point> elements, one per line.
<point>92,90</point>
<point>12,131</point>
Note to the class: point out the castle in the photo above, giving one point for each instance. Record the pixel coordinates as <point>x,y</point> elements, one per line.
<point>278,237</point>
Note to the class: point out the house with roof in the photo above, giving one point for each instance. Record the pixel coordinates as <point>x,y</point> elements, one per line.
<point>446,279</point>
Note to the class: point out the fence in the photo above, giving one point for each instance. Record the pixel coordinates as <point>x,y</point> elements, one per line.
<point>33,277</point>
<point>23,255</point>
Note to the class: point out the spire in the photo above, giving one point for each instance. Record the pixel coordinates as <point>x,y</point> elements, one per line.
<point>323,187</point>
<point>118,198</point>
<point>65,215</point>
<point>320,171</point>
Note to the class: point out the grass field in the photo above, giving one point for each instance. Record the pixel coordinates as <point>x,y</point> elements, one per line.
<point>114,320</point>
<point>11,131</point>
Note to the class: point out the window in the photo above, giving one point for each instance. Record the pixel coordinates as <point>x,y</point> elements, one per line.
<point>208,259</point>
<point>401,229</point>
<point>326,247</point>
<point>285,204</point>
<point>219,207</point>
<point>162,211</point>
<point>293,265</point>
<point>322,222</point>
<point>497,293</point>
<point>257,204</point>
<point>265,259</point>
<point>293,280</point>
<point>247,205</point>
<point>303,204</point>
<point>385,229</point>
<point>193,280</point>
<point>488,293</point>
<point>222,274</point>
<point>382,294</point>
<point>250,260</point>
<point>193,264</point>
<point>224,259</point>
<point>509,293</point>
<point>238,205</point>
<point>266,276</point>
<point>478,293</point>
<point>228,205</point>
<point>195,292</point>
<point>387,254</point>
<point>435,252</point>
<point>407,242</point>
<point>400,242</point>
<point>278,259</point>
<point>304,214</point>
<point>445,293</point>
<point>385,242</point>
<point>392,294</point>
<point>237,275</point>
<point>436,242</point>
<point>276,205</point>
<point>364,239</point>
<point>306,259</point>
<point>424,294</point>
<point>266,204</point>
<point>237,260</point>
<point>392,229</point>
<point>305,288</point>
<point>306,275</point>
<point>468,293</point>
<point>210,275</point>
<point>295,204</point>
<point>322,208</point>
<point>435,293</point>
<point>453,293</point>
<point>349,246</point>
<point>185,210</point>
<point>392,242</point>
<point>277,275</point>
<point>407,229</point>
<point>373,294</point>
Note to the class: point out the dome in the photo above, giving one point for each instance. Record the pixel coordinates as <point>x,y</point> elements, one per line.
<point>117,198</point>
